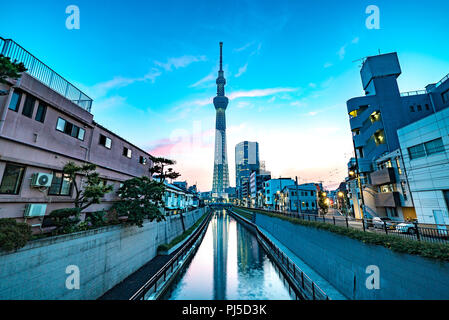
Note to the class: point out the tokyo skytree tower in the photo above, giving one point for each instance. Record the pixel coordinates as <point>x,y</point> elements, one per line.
<point>221,175</point>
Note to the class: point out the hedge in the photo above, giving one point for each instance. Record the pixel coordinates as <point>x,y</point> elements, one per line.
<point>437,251</point>
<point>13,235</point>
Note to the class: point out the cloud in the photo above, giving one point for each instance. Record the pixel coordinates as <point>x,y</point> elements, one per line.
<point>327,65</point>
<point>298,104</point>
<point>102,89</point>
<point>259,93</point>
<point>355,40</point>
<point>342,52</point>
<point>242,70</point>
<point>257,51</point>
<point>179,62</point>
<point>209,78</point>
<point>246,46</point>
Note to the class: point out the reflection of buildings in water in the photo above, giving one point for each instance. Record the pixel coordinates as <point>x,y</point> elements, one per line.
<point>220,225</point>
<point>249,260</point>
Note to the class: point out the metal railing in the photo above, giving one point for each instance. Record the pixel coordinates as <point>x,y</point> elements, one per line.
<point>413,93</point>
<point>302,281</point>
<point>158,280</point>
<point>40,71</point>
<point>435,233</point>
<point>440,82</point>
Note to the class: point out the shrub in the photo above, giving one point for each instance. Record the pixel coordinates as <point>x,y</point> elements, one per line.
<point>97,219</point>
<point>65,220</point>
<point>435,251</point>
<point>13,235</point>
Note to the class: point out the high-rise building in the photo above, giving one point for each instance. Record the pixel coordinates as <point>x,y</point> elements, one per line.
<point>246,161</point>
<point>221,174</point>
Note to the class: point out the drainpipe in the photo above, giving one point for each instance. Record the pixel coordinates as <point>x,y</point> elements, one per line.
<point>5,109</point>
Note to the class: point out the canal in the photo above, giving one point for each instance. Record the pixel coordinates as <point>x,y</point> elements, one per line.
<point>229,265</point>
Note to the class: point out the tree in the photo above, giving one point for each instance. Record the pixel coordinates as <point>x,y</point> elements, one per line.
<point>9,69</point>
<point>159,172</point>
<point>91,187</point>
<point>141,198</point>
<point>323,203</point>
<point>159,166</point>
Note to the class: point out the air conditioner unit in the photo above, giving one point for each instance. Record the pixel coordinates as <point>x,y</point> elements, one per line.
<point>35,210</point>
<point>41,179</point>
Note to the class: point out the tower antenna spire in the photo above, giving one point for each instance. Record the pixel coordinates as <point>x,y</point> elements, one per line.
<point>221,56</point>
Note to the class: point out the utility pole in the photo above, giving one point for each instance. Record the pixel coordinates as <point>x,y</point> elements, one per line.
<point>298,208</point>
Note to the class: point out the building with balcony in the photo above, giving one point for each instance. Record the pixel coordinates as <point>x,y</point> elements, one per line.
<point>389,180</point>
<point>45,122</point>
<point>425,147</point>
<point>376,117</point>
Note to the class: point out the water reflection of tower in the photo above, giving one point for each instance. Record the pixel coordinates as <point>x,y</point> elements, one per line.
<point>220,237</point>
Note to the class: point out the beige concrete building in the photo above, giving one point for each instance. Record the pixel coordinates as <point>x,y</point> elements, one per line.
<point>46,122</point>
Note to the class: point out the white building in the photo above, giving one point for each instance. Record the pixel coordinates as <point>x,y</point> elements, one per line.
<point>177,199</point>
<point>303,196</point>
<point>425,149</point>
<point>273,190</point>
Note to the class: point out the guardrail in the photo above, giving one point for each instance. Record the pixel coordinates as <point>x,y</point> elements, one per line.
<point>40,71</point>
<point>152,285</point>
<point>309,289</point>
<point>413,93</point>
<point>436,233</point>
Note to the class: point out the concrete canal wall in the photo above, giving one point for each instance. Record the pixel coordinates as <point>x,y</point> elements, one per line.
<point>104,257</point>
<point>343,262</point>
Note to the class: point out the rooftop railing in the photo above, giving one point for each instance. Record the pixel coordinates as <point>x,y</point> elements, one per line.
<point>40,71</point>
<point>413,93</point>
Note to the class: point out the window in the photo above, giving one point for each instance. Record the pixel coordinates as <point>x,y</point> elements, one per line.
<point>15,101</point>
<point>375,116</point>
<point>60,185</point>
<point>60,125</point>
<point>419,108</point>
<point>28,106</point>
<point>417,152</point>
<point>434,146</point>
<point>70,129</point>
<point>41,111</point>
<point>398,164</point>
<point>127,152</point>
<point>445,96</point>
<point>379,137</point>
<point>404,190</point>
<point>12,179</point>
<point>427,107</point>
<point>105,141</point>
<point>412,109</point>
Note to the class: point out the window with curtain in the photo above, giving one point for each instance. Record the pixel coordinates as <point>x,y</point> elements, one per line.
<point>12,179</point>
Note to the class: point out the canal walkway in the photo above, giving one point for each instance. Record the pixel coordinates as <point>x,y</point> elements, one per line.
<point>128,287</point>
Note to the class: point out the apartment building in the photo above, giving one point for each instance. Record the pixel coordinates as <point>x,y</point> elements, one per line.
<point>375,119</point>
<point>273,188</point>
<point>46,122</point>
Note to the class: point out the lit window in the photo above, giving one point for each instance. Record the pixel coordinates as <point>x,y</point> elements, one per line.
<point>379,137</point>
<point>105,141</point>
<point>60,125</point>
<point>60,185</point>
<point>127,152</point>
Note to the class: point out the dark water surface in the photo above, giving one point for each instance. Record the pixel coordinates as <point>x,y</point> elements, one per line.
<point>229,265</point>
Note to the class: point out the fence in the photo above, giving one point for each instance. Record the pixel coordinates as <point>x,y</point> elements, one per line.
<point>436,233</point>
<point>44,74</point>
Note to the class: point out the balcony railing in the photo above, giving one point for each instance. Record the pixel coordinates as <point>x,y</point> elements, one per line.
<point>43,73</point>
<point>413,93</point>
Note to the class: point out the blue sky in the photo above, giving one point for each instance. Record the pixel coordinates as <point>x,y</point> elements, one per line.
<point>150,67</point>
